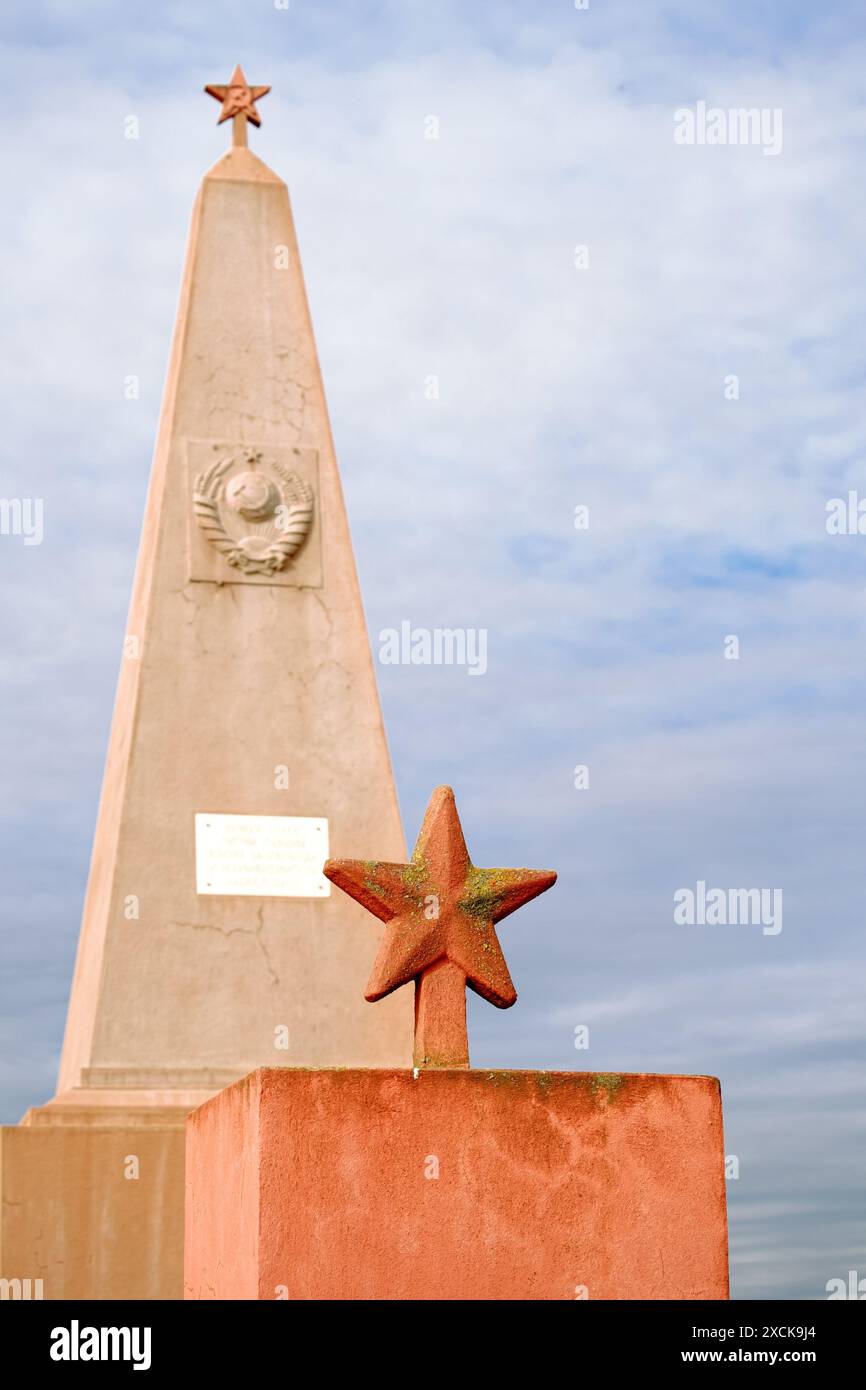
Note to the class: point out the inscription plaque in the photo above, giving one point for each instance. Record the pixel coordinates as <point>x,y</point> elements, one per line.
<point>261,856</point>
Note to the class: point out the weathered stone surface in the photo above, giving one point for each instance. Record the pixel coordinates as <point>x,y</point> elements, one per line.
<point>457,1185</point>
<point>95,1210</point>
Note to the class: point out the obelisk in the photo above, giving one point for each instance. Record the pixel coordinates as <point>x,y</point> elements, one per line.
<point>247,739</point>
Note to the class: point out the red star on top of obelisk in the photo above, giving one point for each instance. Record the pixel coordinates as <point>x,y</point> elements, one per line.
<point>440,913</point>
<point>238,103</point>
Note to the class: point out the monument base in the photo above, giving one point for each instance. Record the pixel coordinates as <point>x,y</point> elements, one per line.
<point>92,1196</point>
<point>444,1184</point>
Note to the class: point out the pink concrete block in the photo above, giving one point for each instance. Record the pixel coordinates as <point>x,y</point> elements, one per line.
<point>457,1185</point>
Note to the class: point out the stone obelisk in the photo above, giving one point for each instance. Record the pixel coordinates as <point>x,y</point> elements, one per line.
<point>247,741</point>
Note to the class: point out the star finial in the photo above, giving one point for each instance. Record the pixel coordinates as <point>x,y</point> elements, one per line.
<point>238,103</point>
<point>440,913</point>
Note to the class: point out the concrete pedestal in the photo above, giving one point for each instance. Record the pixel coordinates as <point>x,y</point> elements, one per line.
<point>381,1184</point>
<point>92,1204</point>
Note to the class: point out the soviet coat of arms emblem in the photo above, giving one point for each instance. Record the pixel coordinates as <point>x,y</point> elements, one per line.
<point>257,516</point>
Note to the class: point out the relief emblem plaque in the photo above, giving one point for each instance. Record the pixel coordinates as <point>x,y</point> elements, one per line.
<point>254,508</point>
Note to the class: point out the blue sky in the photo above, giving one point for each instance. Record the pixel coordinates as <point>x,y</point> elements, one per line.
<point>557,387</point>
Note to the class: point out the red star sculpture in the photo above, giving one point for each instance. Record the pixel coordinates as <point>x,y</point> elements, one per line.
<point>440,913</point>
<point>238,103</point>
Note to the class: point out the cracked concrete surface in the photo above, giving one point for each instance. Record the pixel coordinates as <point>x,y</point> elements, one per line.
<point>238,931</point>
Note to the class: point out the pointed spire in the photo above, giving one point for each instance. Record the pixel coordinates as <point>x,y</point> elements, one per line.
<point>245,577</point>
